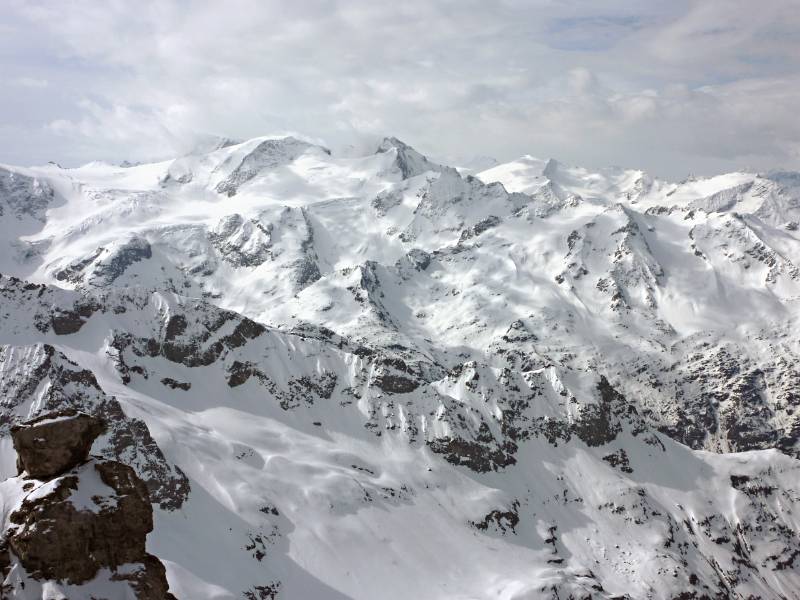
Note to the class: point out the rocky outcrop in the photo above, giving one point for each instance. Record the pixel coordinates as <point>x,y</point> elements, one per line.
<point>114,264</point>
<point>214,334</point>
<point>53,443</point>
<point>77,517</point>
<point>242,242</point>
<point>409,162</point>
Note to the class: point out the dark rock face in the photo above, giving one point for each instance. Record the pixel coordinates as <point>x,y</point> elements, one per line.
<point>200,346</point>
<point>239,373</point>
<point>479,228</point>
<point>176,385</point>
<point>619,460</point>
<point>485,442</point>
<point>81,515</point>
<point>417,259</point>
<point>54,539</point>
<point>63,311</point>
<point>393,375</point>
<point>53,443</point>
<point>74,271</point>
<point>149,580</point>
<point>65,322</point>
<point>110,268</point>
<point>501,521</point>
<point>718,396</point>
<point>480,456</point>
<point>596,425</point>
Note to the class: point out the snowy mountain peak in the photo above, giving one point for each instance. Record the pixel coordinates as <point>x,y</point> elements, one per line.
<point>551,168</point>
<point>410,162</point>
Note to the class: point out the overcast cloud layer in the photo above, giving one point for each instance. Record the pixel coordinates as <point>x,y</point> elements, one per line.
<point>672,86</point>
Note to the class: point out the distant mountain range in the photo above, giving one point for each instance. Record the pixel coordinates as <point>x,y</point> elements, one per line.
<point>385,378</point>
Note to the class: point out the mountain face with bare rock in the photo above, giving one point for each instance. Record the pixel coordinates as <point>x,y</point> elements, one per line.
<point>283,373</point>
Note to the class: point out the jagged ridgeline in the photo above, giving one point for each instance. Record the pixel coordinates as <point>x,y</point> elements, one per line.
<point>381,377</point>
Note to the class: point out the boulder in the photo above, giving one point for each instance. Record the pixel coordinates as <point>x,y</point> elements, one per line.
<point>54,443</point>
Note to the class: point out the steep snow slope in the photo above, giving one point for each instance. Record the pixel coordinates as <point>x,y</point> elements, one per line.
<point>376,377</point>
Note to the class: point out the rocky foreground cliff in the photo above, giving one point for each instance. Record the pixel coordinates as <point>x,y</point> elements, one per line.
<point>75,526</point>
<point>381,377</point>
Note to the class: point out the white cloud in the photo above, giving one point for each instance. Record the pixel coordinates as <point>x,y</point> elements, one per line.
<point>29,82</point>
<point>671,86</point>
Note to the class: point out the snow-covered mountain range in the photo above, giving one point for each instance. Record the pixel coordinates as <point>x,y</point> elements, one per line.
<point>382,378</point>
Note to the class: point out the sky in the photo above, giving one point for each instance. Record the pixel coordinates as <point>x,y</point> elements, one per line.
<point>675,87</point>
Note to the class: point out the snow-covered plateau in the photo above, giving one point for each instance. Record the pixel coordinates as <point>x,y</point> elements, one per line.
<point>381,378</point>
